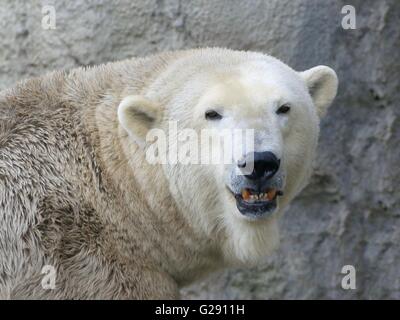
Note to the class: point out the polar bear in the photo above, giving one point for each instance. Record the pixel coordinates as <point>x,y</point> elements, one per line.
<point>84,215</point>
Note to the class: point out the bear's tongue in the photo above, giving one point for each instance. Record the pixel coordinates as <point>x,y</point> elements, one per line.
<point>250,195</point>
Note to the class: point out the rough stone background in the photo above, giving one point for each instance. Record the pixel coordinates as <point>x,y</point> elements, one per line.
<point>350,213</point>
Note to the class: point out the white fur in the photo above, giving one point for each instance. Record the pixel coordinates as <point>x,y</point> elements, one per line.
<point>247,88</point>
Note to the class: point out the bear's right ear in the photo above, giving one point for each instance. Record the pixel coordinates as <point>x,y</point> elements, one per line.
<point>137,115</point>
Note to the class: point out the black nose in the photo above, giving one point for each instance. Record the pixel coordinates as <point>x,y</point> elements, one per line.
<point>265,165</point>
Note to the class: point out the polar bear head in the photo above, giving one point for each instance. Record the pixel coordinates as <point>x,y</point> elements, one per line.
<point>235,204</point>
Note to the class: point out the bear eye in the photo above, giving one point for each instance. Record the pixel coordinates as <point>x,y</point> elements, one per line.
<point>212,115</point>
<point>283,109</point>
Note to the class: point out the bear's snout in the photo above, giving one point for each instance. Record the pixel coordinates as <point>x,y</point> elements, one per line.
<point>258,185</point>
<point>263,165</point>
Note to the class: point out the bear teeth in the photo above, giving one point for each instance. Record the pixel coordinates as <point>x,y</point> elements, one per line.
<point>251,197</point>
<point>271,194</point>
<point>245,194</point>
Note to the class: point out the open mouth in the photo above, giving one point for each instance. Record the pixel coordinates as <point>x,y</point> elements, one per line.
<point>251,196</point>
<point>256,204</point>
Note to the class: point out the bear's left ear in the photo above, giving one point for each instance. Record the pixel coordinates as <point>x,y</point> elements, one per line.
<point>138,115</point>
<point>322,83</point>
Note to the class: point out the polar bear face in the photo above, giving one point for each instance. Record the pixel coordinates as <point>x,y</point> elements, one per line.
<point>236,203</point>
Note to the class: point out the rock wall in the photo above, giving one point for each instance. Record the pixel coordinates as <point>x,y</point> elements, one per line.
<point>350,213</point>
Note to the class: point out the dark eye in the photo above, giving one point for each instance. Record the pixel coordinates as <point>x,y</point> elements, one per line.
<point>212,115</point>
<point>283,109</point>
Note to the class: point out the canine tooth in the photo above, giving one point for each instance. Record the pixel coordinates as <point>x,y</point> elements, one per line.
<point>245,194</point>
<point>271,194</point>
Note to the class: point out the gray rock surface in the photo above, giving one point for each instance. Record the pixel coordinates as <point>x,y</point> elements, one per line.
<point>350,213</point>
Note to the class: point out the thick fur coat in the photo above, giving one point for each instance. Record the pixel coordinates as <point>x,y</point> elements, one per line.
<point>77,193</point>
